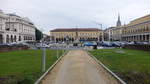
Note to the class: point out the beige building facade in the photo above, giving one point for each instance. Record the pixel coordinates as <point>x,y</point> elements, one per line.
<point>113,33</point>
<point>76,34</point>
<point>137,30</point>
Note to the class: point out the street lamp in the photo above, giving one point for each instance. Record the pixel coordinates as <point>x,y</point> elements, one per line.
<point>43,65</point>
<point>102,32</point>
<point>67,40</point>
<point>101,26</point>
<point>43,59</point>
<point>57,53</point>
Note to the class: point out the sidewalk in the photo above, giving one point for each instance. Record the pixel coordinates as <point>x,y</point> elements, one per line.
<point>77,67</point>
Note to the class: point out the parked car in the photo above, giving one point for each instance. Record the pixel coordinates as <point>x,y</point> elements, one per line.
<point>116,44</point>
<point>131,43</point>
<point>90,43</point>
<point>106,44</point>
<point>4,45</point>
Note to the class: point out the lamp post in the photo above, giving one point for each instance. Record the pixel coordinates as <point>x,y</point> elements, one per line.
<point>43,65</point>
<point>43,59</point>
<point>109,34</point>
<point>102,32</point>
<point>67,40</point>
<point>57,53</point>
<point>101,26</point>
<point>98,35</point>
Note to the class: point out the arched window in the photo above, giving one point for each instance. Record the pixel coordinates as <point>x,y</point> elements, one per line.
<point>15,38</point>
<point>19,38</point>
<point>1,38</point>
<point>11,38</point>
<point>7,39</point>
<point>24,37</point>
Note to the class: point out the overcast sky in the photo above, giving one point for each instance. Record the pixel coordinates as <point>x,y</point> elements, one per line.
<point>50,14</point>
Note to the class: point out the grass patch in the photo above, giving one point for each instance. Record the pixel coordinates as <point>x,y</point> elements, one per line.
<point>24,67</point>
<point>133,66</point>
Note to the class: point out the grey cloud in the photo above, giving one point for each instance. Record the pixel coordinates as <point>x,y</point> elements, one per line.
<point>49,14</point>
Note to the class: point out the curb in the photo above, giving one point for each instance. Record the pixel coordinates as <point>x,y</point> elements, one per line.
<point>108,70</point>
<point>49,69</point>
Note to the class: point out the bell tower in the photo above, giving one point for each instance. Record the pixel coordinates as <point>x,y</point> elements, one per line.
<point>118,22</point>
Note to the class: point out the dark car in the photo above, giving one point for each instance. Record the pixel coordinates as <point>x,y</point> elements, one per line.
<point>115,44</point>
<point>106,44</point>
<point>4,45</point>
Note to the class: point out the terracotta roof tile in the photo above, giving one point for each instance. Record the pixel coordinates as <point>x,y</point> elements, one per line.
<point>74,29</point>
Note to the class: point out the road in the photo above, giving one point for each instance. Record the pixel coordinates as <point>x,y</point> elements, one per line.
<point>77,67</point>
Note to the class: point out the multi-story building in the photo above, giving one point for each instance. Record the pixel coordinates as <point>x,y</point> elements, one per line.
<point>137,30</point>
<point>73,34</point>
<point>114,33</point>
<point>14,28</point>
<point>2,26</point>
<point>106,34</point>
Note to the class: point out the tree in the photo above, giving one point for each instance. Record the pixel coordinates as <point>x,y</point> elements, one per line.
<point>38,34</point>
